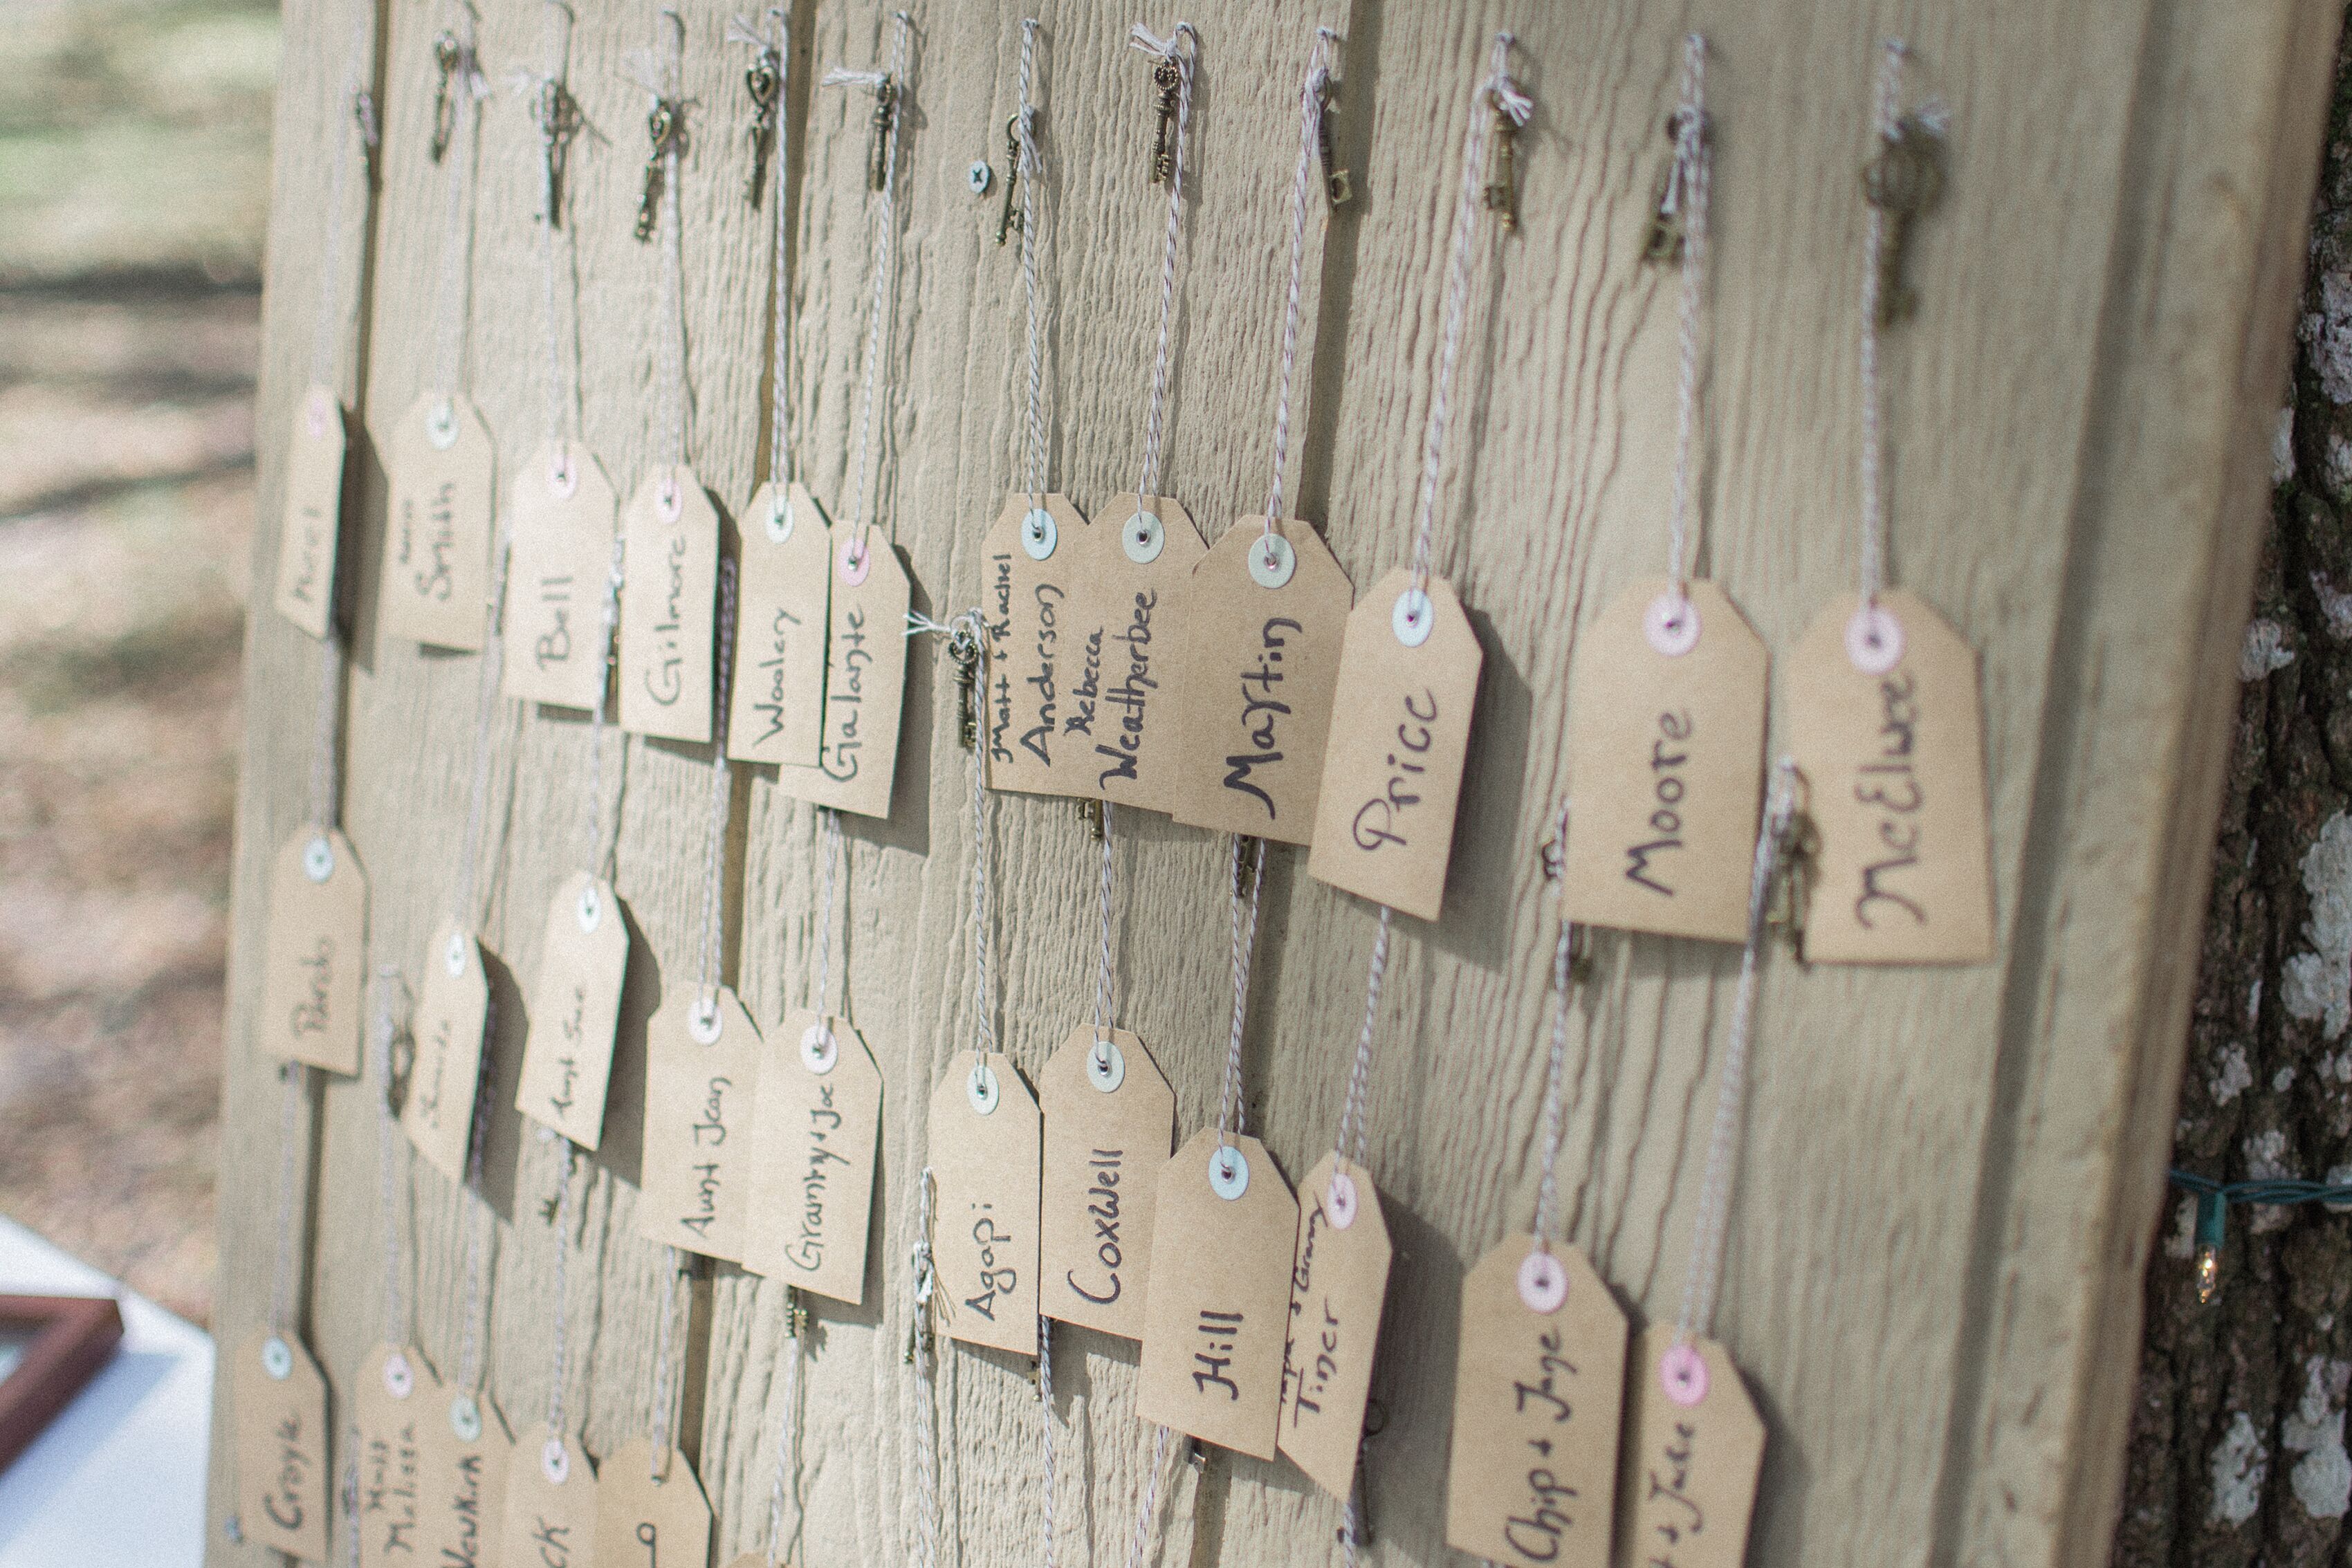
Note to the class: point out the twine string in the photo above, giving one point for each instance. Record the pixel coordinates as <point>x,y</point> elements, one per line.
<point>1885,121</point>
<point>722,777</point>
<point>1177,50</point>
<point>881,309</point>
<point>1687,196</point>
<point>1311,95</point>
<point>1026,128</point>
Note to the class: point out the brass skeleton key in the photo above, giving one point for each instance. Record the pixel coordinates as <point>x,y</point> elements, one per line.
<point>1338,185</point>
<point>1012,218</point>
<point>1165,76</point>
<point>1904,181</point>
<point>765,82</point>
<point>885,98</point>
<point>1669,225</point>
<point>1502,175</point>
<point>964,649</point>
<point>665,131</point>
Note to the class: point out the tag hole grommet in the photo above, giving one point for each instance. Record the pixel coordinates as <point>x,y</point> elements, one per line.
<point>1229,1172</point>
<point>1105,1065</point>
<point>1873,640</point>
<point>702,1021</point>
<point>856,560</point>
<point>399,1378</point>
<point>277,1359</point>
<point>591,909</point>
<point>819,1050</point>
<point>465,1418</point>
<point>563,473</point>
<point>554,1462</point>
<point>1682,1371</point>
<point>1143,538</point>
<point>979,1089</point>
<point>441,425</point>
<point>1339,1202</point>
<point>454,959</point>
<point>779,520</point>
<point>315,411</point>
<point>318,858</point>
<point>1671,624</point>
<point>1038,533</point>
<point>1272,561</point>
<point>1414,618</point>
<point>669,498</point>
<point>1543,1282</point>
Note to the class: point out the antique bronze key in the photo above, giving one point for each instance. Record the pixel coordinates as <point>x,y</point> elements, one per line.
<point>667,131</point>
<point>448,54</point>
<point>963,651</point>
<point>1166,78</point>
<point>1502,177</point>
<point>885,98</point>
<point>1338,185</point>
<point>1668,223</point>
<point>765,82</point>
<point>1903,181</point>
<point>1012,218</point>
<point>559,121</point>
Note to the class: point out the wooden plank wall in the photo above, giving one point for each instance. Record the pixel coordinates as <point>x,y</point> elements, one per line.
<point>1950,1175</point>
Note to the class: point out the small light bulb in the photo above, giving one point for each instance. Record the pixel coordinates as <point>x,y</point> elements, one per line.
<point>2209,1274</point>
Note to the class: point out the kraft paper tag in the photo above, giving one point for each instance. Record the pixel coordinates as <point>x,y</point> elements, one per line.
<point>984,1167</point>
<point>1139,555</point>
<point>550,1517</point>
<point>649,1521</point>
<point>561,508</point>
<point>865,682</point>
<point>467,1455</point>
<point>783,593</point>
<point>310,527</point>
<point>1030,557</point>
<point>1110,1119</point>
<point>452,1011</point>
<point>1260,655</point>
<point>1339,1282</point>
<point>397,1396</point>
<point>436,537</point>
<point>1399,735</point>
<point>813,1140</point>
<point>1689,1469</point>
<point>314,964</point>
<point>1894,769</point>
<point>1220,1295</point>
<point>669,589</point>
<point>575,1002</point>
<point>702,1079</point>
<point>1536,1396</point>
<point>1666,760</point>
<point>283,1490</point>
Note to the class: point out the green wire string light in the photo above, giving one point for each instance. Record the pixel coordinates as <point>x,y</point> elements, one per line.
<point>2213,1201</point>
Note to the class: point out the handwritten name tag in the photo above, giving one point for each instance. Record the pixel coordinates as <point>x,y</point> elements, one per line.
<point>282,1484</point>
<point>575,1002</point>
<point>1036,670</point>
<point>669,591</point>
<point>314,962</point>
<point>436,537</point>
<point>702,1079</point>
<point>1219,1303</point>
<point>1139,555</point>
<point>310,523</point>
<point>452,1011</point>
<point>1666,756</point>
<point>814,1136</point>
<point>397,1397</point>
<point>561,506</point>
<point>551,1515</point>
<point>1689,1469</point>
<point>1399,735</point>
<point>784,587</point>
<point>1893,767</point>
<point>647,1518</point>
<point>464,1503</point>
<point>865,682</point>
<point>1339,1282</point>
<point>1260,655</point>
<point>1110,1121</point>
<point>1536,1396</point>
<point>985,1142</point>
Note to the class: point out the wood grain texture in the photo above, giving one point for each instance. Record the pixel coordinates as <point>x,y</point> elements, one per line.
<point>1950,1176</point>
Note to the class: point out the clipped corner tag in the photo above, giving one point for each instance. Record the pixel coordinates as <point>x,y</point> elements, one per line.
<point>310,522</point>
<point>1339,1282</point>
<point>702,1073</point>
<point>984,1171</point>
<point>668,603</point>
<point>814,1137</point>
<point>452,1012</point>
<point>434,579</point>
<point>561,508</point>
<point>575,1005</point>
<point>1110,1118</point>
<point>314,961</point>
<point>865,684</point>
<point>1690,1463</point>
<point>282,1485</point>
<point>1034,660</point>
<point>785,596</point>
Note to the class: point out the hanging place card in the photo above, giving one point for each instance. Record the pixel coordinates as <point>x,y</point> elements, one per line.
<point>550,1512</point>
<point>397,1396</point>
<point>1137,565</point>
<point>645,1521</point>
<point>1259,651</point>
<point>576,1003</point>
<point>1338,1283</point>
<point>466,1456</point>
<point>1665,757</point>
<point>865,680</point>
<point>314,963</point>
<point>1399,735</point>
<point>310,525</point>
<point>668,596</point>
<point>452,1012</point>
<point>1036,663</point>
<point>561,508</point>
<point>702,1079</point>
<point>985,1142</point>
<point>784,588</point>
<point>282,1485</point>
<point>436,541</point>
<point>1110,1121</point>
<point>815,1136</point>
<point>1694,1445</point>
<point>1538,1386</point>
<point>1220,1294</point>
<point>1885,723</point>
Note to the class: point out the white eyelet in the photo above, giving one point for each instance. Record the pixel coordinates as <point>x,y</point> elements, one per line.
<point>702,1021</point>
<point>1339,1201</point>
<point>1873,640</point>
<point>466,1419</point>
<point>441,425</point>
<point>454,958</point>
<point>277,1359</point>
<point>563,473</point>
<point>399,1378</point>
<point>779,519</point>
<point>1414,618</point>
<point>981,1088</point>
<point>1038,533</point>
<point>591,907</point>
<point>1671,624</point>
<point>318,858</point>
<point>669,498</point>
<point>555,1461</point>
<point>1272,561</point>
<point>1143,538</point>
<point>819,1050</point>
<point>856,560</point>
<point>1543,1282</point>
<point>1228,1172</point>
<point>1105,1065</point>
